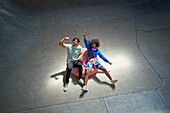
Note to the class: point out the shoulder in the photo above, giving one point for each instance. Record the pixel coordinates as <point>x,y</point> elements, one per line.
<point>68,45</point>
<point>98,51</point>
<point>79,46</point>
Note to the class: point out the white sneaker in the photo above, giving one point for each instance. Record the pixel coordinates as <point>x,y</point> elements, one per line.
<point>113,81</point>
<point>65,87</point>
<point>85,88</point>
<point>81,81</point>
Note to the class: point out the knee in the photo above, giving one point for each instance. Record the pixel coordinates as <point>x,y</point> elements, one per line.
<point>69,68</point>
<point>80,64</point>
<point>87,73</point>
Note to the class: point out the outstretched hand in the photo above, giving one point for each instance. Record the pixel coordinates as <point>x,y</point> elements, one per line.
<point>84,34</point>
<point>110,63</point>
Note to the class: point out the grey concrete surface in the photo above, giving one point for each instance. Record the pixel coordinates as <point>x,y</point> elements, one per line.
<point>158,43</point>
<point>18,33</point>
<point>153,26</point>
<point>140,102</point>
<point>143,102</point>
<point>88,106</point>
<point>164,91</point>
<point>129,37</point>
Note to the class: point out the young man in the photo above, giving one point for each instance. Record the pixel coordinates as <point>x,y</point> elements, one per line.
<point>73,50</point>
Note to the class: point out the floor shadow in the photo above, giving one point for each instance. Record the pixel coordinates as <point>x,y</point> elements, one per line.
<point>82,94</point>
<point>74,79</point>
<point>99,82</point>
<point>62,73</point>
<point>103,83</point>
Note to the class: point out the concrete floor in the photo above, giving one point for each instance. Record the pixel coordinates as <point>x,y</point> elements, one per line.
<point>134,36</point>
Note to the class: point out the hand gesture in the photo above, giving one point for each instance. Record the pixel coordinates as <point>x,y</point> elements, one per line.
<point>67,38</point>
<point>84,34</point>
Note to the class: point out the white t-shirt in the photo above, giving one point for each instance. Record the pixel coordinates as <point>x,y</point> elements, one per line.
<point>72,52</point>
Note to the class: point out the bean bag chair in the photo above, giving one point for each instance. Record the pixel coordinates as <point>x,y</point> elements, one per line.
<point>83,58</point>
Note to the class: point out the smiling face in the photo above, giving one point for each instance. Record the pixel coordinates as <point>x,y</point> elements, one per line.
<point>75,42</point>
<point>93,45</point>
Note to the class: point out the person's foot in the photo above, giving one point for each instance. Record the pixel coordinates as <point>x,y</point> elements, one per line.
<point>113,81</point>
<point>81,81</point>
<point>85,88</point>
<point>65,87</point>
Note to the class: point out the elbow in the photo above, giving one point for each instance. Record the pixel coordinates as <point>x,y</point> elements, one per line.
<point>60,44</point>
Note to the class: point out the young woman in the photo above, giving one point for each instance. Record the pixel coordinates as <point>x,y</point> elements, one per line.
<point>92,46</point>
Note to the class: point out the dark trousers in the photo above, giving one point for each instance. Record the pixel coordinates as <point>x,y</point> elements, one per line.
<point>70,65</point>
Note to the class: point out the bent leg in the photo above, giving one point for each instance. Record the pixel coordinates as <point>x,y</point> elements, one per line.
<point>69,68</point>
<point>86,77</point>
<point>79,65</point>
<point>106,72</point>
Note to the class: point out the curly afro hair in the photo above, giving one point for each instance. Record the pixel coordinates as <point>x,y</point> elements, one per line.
<point>96,41</point>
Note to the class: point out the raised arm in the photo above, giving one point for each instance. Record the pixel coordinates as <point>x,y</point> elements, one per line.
<point>62,42</point>
<point>84,34</point>
<point>85,41</point>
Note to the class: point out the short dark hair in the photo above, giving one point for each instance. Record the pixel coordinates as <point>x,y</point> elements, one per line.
<point>77,39</point>
<point>95,41</point>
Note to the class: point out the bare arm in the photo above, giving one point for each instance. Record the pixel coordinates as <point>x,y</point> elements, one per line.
<point>79,54</point>
<point>62,42</point>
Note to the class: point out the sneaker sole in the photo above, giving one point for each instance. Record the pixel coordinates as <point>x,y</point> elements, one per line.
<point>114,81</point>
<point>83,89</point>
